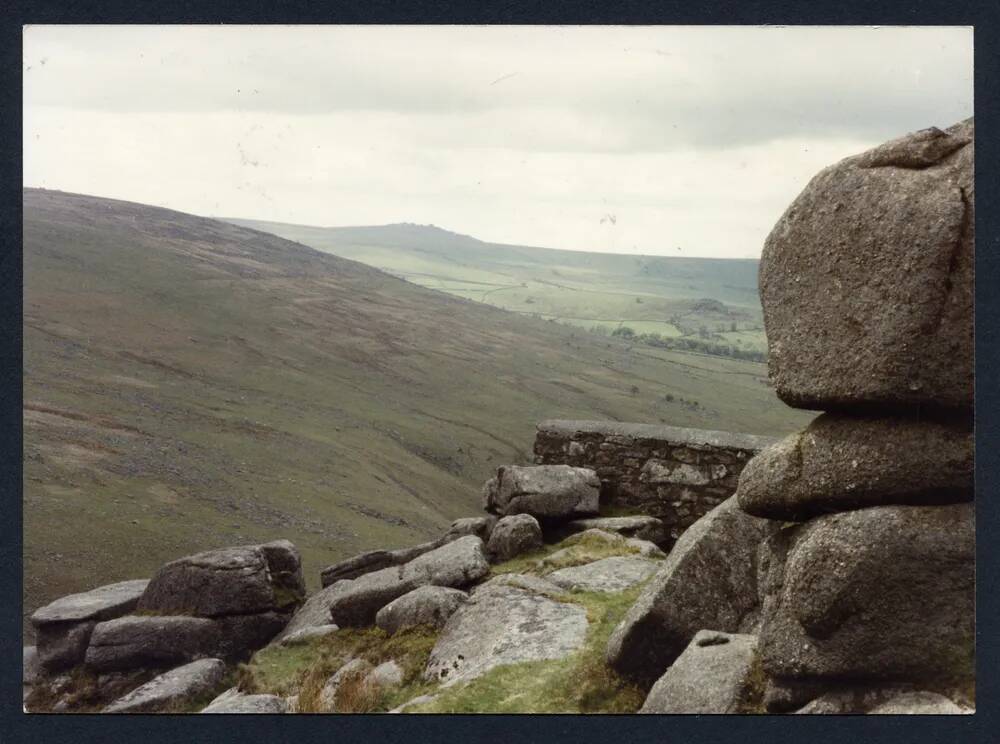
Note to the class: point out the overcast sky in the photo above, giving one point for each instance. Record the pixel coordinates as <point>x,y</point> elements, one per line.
<point>694,139</point>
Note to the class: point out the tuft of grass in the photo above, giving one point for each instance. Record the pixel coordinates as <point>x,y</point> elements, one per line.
<point>575,550</point>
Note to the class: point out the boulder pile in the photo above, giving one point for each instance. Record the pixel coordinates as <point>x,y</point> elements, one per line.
<point>867,286</point>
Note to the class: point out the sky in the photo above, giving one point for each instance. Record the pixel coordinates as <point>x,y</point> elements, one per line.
<point>664,140</point>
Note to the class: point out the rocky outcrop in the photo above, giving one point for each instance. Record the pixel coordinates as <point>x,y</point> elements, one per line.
<point>709,580</point>
<point>512,536</point>
<point>457,564</point>
<point>614,574</point>
<point>866,280</point>
<point>145,641</point>
<point>546,492</point>
<point>717,673</point>
<point>426,605</point>
<point>63,627</point>
<point>505,621</point>
<point>867,289</point>
<point>172,688</point>
<point>847,462</point>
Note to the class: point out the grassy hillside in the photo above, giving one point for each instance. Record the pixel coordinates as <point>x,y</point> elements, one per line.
<point>649,294</point>
<point>191,384</point>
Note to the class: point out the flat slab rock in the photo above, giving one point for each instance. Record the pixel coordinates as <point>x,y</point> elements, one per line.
<point>102,603</point>
<point>234,701</point>
<point>546,492</point>
<point>709,580</point>
<point>148,641</point>
<point>844,462</point>
<point>614,574</point>
<point>638,526</point>
<point>197,678</point>
<point>506,621</point>
<point>717,673</point>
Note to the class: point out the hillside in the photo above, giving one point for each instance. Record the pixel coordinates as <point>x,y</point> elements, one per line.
<point>701,299</point>
<point>190,384</point>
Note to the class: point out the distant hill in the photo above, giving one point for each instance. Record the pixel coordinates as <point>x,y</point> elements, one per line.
<point>191,384</point>
<point>648,294</point>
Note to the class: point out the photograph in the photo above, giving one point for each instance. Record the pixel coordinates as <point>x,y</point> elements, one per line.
<point>497,369</point>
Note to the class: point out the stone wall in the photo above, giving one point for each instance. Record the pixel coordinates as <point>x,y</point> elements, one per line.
<point>668,472</point>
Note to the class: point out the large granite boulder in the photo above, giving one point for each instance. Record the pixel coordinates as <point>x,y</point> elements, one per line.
<point>505,622</point>
<point>880,593</point>
<point>172,688</point>
<point>356,602</point>
<point>145,641</point>
<point>546,492</point>
<point>426,605</point>
<point>63,627</point>
<point>229,581</point>
<point>234,701</point>
<point>240,635</point>
<point>867,280</point>
<point>512,536</point>
<point>717,673</point>
<point>614,574</point>
<point>709,580</point>
<point>846,462</point>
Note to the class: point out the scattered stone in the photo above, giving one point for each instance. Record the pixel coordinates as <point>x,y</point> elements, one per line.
<point>150,641</point>
<point>358,669</point>
<point>425,605</point>
<point>62,645</point>
<point>717,673</point>
<point>227,581</point>
<point>386,675</point>
<point>234,701</point>
<point>709,580</point>
<point>481,527</point>
<point>503,623</point>
<point>512,536</point>
<point>867,280</point>
<point>173,687</point>
<point>615,574</point>
<point>880,593</point>
<point>546,492</point>
<point>638,526</point>
<point>846,462</point>
<point>918,703</point>
<point>527,582</point>
<point>419,700</point>
<point>304,635</point>
<point>459,563</point>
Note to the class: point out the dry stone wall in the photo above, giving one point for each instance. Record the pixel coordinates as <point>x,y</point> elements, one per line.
<point>675,474</point>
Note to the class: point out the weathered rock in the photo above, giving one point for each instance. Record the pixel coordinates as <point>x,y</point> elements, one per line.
<point>62,645</point>
<point>386,675</point>
<point>717,673</point>
<point>172,688</point>
<point>512,536</point>
<point>239,635</point>
<point>615,574</point>
<point>358,565</point>
<point>867,280</point>
<point>313,613</point>
<point>227,581</point>
<point>709,580</point>
<point>355,602</point>
<point>546,492</point>
<point>848,462</point>
<point>638,526</point>
<point>644,547</point>
<point>234,701</point>
<point>102,603</point>
<point>851,699</point>
<point>31,667</point>
<point>419,700</point>
<point>304,635</point>
<point>356,670</point>
<point>918,703</point>
<point>425,605</point>
<point>481,527</point>
<point>880,593</point>
<point>504,623</point>
<point>150,641</point>
<point>786,695</point>
<point>626,544</point>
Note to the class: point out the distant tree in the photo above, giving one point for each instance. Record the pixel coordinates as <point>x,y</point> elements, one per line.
<point>634,390</point>
<point>623,332</point>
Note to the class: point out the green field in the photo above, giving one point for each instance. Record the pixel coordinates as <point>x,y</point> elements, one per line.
<point>649,294</point>
<point>190,384</point>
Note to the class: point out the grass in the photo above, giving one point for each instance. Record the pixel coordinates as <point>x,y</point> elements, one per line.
<point>575,550</point>
<point>189,384</point>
